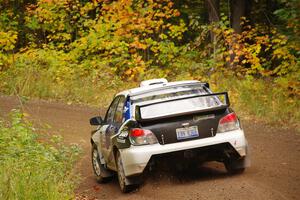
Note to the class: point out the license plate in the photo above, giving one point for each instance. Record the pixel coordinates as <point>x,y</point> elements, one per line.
<point>188,132</point>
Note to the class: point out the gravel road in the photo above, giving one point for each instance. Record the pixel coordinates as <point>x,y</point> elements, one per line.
<point>274,171</point>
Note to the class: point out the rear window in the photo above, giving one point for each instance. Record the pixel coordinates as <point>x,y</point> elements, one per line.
<point>178,106</point>
<point>170,93</point>
<point>180,100</point>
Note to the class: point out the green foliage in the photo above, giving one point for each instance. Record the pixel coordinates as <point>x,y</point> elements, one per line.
<point>60,21</point>
<point>30,169</point>
<point>85,51</point>
<point>263,99</point>
<point>7,43</point>
<point>131,36</point>
<point>289,13</point>
<point>257,50</point>
<point>51,74</point>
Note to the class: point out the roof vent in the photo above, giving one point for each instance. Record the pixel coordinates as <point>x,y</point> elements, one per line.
<point>153,82</point>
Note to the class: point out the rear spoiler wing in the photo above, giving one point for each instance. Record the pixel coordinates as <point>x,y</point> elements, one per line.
<point>221,107</point>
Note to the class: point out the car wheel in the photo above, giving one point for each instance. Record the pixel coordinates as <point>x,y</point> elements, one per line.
<point>102,173</point>
<point>235,166</point>
<point>121,175</point>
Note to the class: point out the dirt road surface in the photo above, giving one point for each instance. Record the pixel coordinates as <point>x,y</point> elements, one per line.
<point>274,171</point>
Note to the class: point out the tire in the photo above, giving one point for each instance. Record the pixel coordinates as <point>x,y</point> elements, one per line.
<point>102,174</point>
<point>123,180</point>
<point>235,166</point>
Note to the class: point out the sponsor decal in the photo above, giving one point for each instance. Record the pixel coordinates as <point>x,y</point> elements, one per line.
<point>203,117</point>
<point>123,134</point>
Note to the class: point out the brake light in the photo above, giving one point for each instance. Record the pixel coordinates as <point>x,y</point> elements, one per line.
<point>142,136</point>
<point>137,132</point>
<point>228,123</point>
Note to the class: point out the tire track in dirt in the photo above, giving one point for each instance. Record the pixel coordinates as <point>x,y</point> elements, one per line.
<point>274,173</point>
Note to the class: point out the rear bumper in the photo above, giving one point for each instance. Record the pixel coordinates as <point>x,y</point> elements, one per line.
<point>136,158</point>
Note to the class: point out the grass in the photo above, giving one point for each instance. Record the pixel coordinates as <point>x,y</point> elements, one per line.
<point>30,169</point>
<point>48,74</point>
<point>43,74</point>
<point>261,99</point>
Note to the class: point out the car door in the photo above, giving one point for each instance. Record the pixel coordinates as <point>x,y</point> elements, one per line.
<point>113,128</point>
<point>108,120</point>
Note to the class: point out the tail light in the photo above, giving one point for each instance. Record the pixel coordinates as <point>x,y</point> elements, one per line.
<point>228,123</point>
<point>139,136</point>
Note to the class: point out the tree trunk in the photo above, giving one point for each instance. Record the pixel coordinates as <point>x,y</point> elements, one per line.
<point>238,10</point>
<point>213,8</point>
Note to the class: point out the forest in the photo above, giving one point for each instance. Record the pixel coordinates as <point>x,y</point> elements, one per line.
<point>85,51</point>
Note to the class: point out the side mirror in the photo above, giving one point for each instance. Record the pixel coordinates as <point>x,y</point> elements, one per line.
<point>96,121</point>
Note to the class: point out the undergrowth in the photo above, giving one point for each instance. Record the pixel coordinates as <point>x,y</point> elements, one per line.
<point>48,74</point>
<point>31,168</point>
<point>264,100</point>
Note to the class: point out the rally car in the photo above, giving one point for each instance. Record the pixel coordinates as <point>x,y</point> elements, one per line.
<point>182,119</point>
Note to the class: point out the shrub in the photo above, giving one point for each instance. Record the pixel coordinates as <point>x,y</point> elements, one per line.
<point>51,74</point>
<point>266,100</point>
<point>30,169</point>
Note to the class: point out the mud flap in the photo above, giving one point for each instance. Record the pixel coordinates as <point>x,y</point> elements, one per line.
<point>105,172</point>
<point>133,180</point>
<point>247,162</point>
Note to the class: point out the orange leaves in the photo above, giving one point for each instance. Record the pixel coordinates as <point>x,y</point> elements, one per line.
<point>256,50</point>
<point>143,27</point>
<point>136,66</point>
<point>176,13</point>
<point>137,44</point>
<point>126,35</point>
